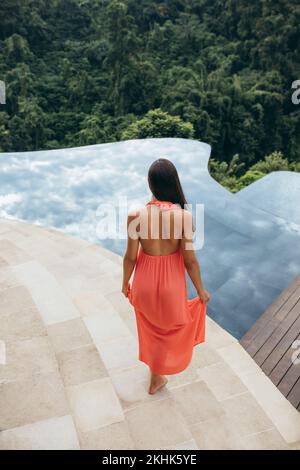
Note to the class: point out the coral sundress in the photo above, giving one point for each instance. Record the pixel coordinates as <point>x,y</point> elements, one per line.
<point>168,324</point>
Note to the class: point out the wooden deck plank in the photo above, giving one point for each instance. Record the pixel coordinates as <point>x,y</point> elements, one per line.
<point>289,380</point>
<point>271,338</point>
<point>261,337</point>
<point>267,315</point>
<point>294,395</point>
<point>279,341</point>
<point>284,372</point>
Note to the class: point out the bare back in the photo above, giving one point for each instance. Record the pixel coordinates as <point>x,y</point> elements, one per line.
<point>160,231</point>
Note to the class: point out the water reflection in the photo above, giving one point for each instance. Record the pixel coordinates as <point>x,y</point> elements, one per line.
<point>249,254</point>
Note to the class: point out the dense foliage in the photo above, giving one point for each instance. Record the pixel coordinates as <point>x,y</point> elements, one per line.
<point>233,175</point>
<point>81,72</point>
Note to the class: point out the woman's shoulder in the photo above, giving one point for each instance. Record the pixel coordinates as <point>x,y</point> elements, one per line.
<point>186,214</point>
<point>132,213</point>
<point>137,212</point>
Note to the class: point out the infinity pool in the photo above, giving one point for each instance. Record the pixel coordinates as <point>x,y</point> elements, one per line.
<point>251,248</point>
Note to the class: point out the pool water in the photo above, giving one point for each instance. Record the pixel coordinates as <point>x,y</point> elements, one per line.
<point>251,249</point>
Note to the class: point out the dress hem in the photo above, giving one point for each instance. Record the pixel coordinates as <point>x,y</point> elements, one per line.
<point>176,371</point>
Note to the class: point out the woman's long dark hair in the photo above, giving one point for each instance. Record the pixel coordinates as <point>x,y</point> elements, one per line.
<point>164,182</point>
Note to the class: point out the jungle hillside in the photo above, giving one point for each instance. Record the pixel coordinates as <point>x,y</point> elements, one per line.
<point>81,72</point>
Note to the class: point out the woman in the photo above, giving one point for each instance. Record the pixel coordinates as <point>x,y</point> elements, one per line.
<point>160,249</point>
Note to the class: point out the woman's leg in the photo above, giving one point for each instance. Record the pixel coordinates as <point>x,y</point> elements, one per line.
<point>157,381</point>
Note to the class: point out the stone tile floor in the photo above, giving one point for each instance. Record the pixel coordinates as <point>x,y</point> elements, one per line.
<point>72,379</point>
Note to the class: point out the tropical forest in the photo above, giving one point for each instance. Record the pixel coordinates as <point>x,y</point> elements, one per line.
<point>82,72</point>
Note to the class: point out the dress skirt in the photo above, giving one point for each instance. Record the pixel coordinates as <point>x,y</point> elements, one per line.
<point>168,324</point>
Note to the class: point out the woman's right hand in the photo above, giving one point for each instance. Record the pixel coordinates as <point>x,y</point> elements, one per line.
<point>204,295</point>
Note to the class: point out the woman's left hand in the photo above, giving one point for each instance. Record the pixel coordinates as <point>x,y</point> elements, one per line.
<point>125,290</point>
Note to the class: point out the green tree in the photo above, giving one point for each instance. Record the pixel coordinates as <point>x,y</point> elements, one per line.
<point>227,173</point>
<point>158,123</point>
<point>90,68</point>
<point>92,131</point>
<point>273,162</point>
<point>249,177</point>
<point>33,120</point>
<point>4,132</point>
<point>121,58</point>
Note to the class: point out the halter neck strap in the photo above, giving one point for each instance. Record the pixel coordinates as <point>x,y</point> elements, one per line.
<point>164,205</point>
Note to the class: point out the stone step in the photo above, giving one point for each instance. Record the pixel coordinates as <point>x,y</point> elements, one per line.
<point>73,379</point>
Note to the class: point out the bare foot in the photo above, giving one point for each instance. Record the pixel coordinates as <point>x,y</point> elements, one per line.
<point>157,383</point>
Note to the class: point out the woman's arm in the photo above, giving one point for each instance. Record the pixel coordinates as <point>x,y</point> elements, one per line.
<point>130,256</point>
<point>190,260</point>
